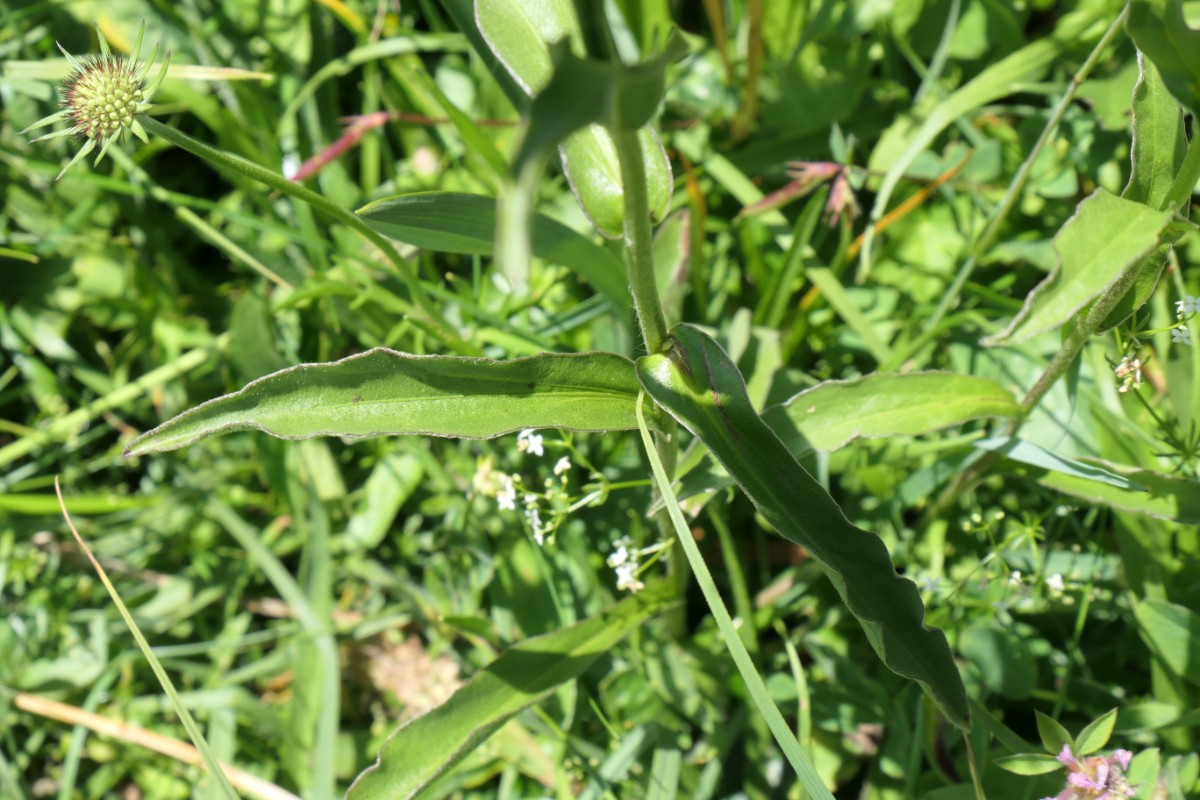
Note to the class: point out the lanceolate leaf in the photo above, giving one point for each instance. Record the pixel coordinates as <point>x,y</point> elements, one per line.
<point>386,392</point>
<point>1161,32</point>
<point>1163,496</point>
<point>833,413</point>
<point>1106,236</point>
<point>1159,147</point>
<point>425,748</point>
<point>1035,456</point>
<point>695,381</point>
<point>454,222</point>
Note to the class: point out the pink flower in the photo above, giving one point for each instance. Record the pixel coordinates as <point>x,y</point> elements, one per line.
<point>1095,777</point>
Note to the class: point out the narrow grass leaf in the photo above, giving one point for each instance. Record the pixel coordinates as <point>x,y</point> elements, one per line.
<point>185,717</point>
<point>454,222</point>
<point>1106,236</point>
<point>420,751</point>
<point>784,737</point>
<point>383,392</point>
<point>1035,456</point>
<point>847,309</point>
<point>695,381</point>
<point>1159,496</point>
<point>834,413</point>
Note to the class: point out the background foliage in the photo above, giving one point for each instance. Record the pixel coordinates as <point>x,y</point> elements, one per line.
<point>307,596</point>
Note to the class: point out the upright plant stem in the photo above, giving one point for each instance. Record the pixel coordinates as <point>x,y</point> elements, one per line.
<point>1000,213</point>
<point>1089,325</point>
<point>651,320</point>
<point>637,240</point>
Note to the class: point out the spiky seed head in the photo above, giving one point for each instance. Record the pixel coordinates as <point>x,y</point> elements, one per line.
<point>103,96</point>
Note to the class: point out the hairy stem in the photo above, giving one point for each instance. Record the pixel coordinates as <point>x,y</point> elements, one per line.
<point>637,240</point>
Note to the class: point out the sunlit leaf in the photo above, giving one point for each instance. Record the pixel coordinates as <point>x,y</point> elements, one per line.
<point>385,392</point>
<point>695,381</point>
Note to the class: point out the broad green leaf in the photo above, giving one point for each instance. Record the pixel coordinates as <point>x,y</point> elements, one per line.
<point>834,413</point>
<point>1028,764</point>
<point>1002,659</point>
<point>1106,236</point>
<point>420,751</point>
<point>1029,453</point>
<point>1159,139</point>
<point>1159,147</point>
<point>383,392</point>
<point>589,160</point>
<point>1164,497</point>
<point>1172,632</point>
<point>520,32</point>
<point>1160,31</point>
<point>697,383</point>
<point>454,222</point>
<point>1096,734</point>
<point>1052,733</point>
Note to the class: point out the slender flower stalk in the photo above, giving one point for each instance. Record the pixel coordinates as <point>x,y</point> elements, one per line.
<point>103,96</point>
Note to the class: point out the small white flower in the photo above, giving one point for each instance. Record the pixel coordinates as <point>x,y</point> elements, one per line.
<point>626,578</point>
<point>562,465</point>
<point>1130,373</point>
<point>530,500</point>
<point>1188,305</point>
<point>1055,583</point>
<point>1015,578</point>
<point>535,522</point>
<point>531,442</point>
<point>506,498</point>
<point>1181,335</point>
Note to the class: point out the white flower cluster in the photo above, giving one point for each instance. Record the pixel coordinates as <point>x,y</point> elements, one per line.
<point>1189,305</point>
<point>1130,373</point>
<point>624,562</point>
<point>506,488</point>
<point>530,442</point>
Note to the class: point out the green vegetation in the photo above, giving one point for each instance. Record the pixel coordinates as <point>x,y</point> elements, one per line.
<point>494,399</point>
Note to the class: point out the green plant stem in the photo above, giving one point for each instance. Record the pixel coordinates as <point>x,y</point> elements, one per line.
<point>757,689</point>
<point>1017,185</point>
<point>637,240</point>
<point>1078,336</point>
<point>651,321</point>
<point>249,169</point>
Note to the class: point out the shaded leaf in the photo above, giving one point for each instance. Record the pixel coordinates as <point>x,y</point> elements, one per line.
<point>454,222</point>
<point>384,392</point>
<point>1161,496</point>
<point>420,751</point>
<point>834,413</point>
<point>1172,632</point>
<point>697,383</point>
<point>1035,456</point>
<point>1052,733</point>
